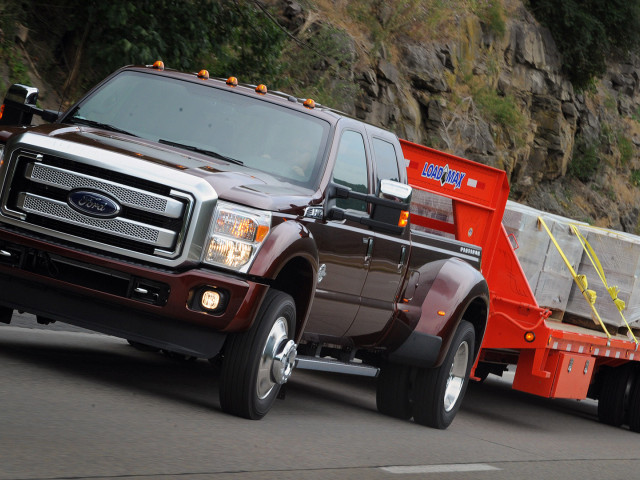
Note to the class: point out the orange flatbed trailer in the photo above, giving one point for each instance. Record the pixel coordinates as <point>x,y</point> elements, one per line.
<point>554,359</point>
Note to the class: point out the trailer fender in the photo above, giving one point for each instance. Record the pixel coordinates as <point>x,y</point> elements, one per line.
<point>446,292</point>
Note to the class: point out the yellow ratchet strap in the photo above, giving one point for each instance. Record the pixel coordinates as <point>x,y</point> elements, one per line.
<point>581,280</point>
<point>613,290</point>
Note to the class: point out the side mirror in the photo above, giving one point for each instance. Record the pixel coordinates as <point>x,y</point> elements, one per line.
<point>19,106</point>
<point>397,197</point>
<point>390,212</point>
<point>15,108</point>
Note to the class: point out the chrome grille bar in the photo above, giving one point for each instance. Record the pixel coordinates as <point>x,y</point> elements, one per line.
<point>129,196</point>
<point>56,210</point>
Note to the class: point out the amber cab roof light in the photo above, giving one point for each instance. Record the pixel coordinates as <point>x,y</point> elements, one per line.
<point>232,81</point>
<point>203,74</point>
<point>158,65</point>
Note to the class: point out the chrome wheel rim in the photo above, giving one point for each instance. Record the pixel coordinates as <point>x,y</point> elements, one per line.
<point>272,355</point>
<point>457,375</point>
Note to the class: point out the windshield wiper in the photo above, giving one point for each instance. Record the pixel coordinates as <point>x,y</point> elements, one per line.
<point>210,153</point>
<point>94,123</point>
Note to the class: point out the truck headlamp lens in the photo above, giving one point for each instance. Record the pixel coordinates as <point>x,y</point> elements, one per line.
<point>235,236</point>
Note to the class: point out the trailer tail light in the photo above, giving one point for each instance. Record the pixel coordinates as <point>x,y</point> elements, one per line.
<point>404,218</point>
<point>529,337</point>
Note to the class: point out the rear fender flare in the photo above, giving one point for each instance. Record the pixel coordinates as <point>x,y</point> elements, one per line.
<point>444,292</point>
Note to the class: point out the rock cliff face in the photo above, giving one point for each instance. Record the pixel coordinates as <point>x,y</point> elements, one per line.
<point>502,100</point>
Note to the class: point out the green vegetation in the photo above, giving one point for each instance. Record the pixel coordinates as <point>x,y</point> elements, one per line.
<point>625,146</point>
<point>502,111</point>
<point>586,160</point>
<point>227,37</point>
<point>635,177</point>
<point>491,12</point>
<point>587,32</point>
<point>384,20</point>
<point>320,68</point>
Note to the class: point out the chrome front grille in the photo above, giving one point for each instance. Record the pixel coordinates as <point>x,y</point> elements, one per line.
<point>133,197</point>
<point>158,237</point>
<point>152,222</point>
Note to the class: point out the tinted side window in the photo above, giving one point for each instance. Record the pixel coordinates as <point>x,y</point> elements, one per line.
<point>351,169</point>
<point>386,161</point>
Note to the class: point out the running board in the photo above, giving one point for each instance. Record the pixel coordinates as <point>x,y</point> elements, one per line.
<point>329,365</point>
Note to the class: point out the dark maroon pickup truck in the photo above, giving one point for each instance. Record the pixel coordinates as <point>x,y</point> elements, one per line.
<point>251,228</point>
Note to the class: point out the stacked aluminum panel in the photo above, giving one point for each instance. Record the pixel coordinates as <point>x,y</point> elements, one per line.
<point>550,278</point>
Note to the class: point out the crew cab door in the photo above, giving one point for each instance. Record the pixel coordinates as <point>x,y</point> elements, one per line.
<point>389,253</point>
<point>344,246</point>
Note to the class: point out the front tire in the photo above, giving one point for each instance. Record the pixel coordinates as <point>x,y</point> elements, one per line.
<point>438,392</point>
<point>256,363</point>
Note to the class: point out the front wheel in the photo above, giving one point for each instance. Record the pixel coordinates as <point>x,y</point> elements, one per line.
<point>256,363</point>
<point>438,392</point>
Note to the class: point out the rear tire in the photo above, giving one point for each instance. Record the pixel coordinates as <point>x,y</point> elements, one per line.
<point>392,391</point>
<point>438,392</point>
<point>614,396</point>
<point>257,362</point>
<point>634,403</point>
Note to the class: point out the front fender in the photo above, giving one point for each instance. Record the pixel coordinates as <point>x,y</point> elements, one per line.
<point>286,241</point>
<point>443,292</point>
<point>289,262</point>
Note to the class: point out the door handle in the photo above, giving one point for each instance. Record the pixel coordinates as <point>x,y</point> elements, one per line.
<point>403,257</point>
<point>369,242</point>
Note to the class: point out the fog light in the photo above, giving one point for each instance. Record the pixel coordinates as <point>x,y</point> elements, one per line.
<point>210,299</point>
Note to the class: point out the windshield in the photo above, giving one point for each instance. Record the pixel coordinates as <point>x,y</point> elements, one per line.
<point>222,124</point>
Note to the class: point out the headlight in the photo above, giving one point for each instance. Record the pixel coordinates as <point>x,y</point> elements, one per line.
<point>235,235</point>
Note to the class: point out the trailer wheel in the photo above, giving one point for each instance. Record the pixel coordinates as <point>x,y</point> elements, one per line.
<point>438,392</point>
<point>634,403</point>
<point>392,391</point>
<point>614,396</point>
<point>258,362</point>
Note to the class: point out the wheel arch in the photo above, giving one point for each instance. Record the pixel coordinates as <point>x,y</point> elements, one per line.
<point>449,291</point>
<point>298,279</point>
<point>289,262</point>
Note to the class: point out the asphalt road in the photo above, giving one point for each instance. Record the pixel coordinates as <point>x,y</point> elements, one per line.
<point>77,405</point>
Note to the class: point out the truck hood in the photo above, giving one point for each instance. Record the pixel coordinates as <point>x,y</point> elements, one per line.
<point>232,182</point>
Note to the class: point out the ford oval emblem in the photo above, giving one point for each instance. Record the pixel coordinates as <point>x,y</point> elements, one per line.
<point>94,204</point>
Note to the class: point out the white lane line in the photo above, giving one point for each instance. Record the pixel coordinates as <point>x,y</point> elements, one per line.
<point>469,467</point>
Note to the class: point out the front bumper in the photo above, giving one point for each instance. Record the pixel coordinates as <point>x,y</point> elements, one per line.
<point>132,301</point>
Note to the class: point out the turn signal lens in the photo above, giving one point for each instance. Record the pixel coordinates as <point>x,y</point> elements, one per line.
<point>442,313</point>
<point>529,337</point>
<point>404,218</point>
